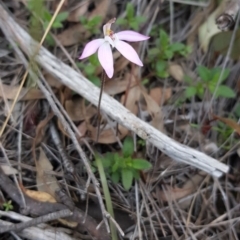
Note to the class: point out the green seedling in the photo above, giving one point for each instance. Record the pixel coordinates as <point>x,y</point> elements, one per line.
<point>40,19</point>
<point>165,51</point>
<point>141,143</point>
<point>131,20</point>
<point>91,24</point>
<point>124,167</point>
<point>209,79</point>
<point>89,69</point>
<point>8,206</point>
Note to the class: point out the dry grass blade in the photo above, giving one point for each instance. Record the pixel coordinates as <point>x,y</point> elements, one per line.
<point>26,73</point>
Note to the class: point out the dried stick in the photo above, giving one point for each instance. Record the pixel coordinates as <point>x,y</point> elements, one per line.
<point>35,221</point>
<point>226,20</point>
<point>114,109</point>
<point>37,208</point>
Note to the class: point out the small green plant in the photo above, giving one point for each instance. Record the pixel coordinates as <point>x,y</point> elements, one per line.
<point>141,142</point>
<point>165,51</point>
<point>42,16</point>
<point>124,167</point>
<point>131,20</point>
<point>60,18</point>
<point>8,206</point>
<point>90,69</point>
<point>91,24</point>
<point>208,81</point>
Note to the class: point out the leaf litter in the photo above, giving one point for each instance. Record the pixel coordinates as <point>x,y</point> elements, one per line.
<point>179,197</point>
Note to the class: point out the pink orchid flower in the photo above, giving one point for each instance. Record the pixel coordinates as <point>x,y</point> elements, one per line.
<point>103,45</point>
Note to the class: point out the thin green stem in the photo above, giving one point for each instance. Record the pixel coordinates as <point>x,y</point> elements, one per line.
<point>107,196</point>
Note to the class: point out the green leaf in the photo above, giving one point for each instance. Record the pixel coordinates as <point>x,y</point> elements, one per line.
<point>168,54</point>
<point>140,19</point>
<point>61,17</point>
<point>130,11</point>
<point>115,166</point>
<point>134,25</point>
<point>136,174</point>
<point>177,47</point>
<point>127,178</point>
<point>95,80</point>
<point>204,73</point>
<point>190,92</point>
<point>94,21</point>
<point>93,59</point>
<point>57,25</point>
<point>107,160</point>
<point>47,16</point>
<point>153,52</point>
<point>225,91</point>
<point>128,147</point>
<point>161,66</point>
<point>237,110</point>
<point>141,164</point>
<point>115,177</point>
<point>89,69</point>
<point>50,41</point>
<point>200,90</point>
<point>161,69</point>
<point>83,20</point>
<point>121,21</point>
<point>184,52</point>
<point>216,75</point>
<point>188,79</point>
<point>164,39</point>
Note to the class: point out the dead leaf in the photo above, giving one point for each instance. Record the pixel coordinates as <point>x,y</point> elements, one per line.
<point>82,128</point>
<point>8,170</point>
<point>198,18</point>
<point>101,9</point>
<point>108,136</point>
<point>81,10</point>
<point>10,92</point>
<point>209,28</point>
<point>175,70</point>
<point>175,193</point>
<point>76,111</point>
<point>45,182</point>
<point>133,97</point>
<point>160,95</point>
<point>64,6</point>
<point>73,35</point>
<point>40,130</point>
<point>229,122</point>
<point>68,223</point>
<point>52,81</point>
<point>40,196</point>
<point>46,197</point>
<point>115,87</point>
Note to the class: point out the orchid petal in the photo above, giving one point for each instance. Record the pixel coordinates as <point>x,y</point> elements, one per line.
<point>107,27</point>
<point>91,48</point>
<point>106,58</point>
<point>131,36</point>
<point>128,52</point>
<point>108,39</point>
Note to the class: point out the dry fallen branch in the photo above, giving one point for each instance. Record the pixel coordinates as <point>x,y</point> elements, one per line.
<point>226,20</point>
<point>114,109</point>
<point>37,208</point>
